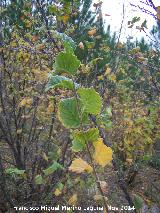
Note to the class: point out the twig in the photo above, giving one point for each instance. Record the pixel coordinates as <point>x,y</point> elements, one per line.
<point>89,153</point>
<point>46,24</point>
<point>121,178</point>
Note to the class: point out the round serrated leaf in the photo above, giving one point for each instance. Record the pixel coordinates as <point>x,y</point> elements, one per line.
<point>68,113</point>
<point>81,137</point>
<point>77,145</point>
<point>52,168</point>
<point>90,135</point>
<point>15,171</point>
<point>38,179</point>
<point>56,81</point>
<point>138,202</point>
<point>66,62</point>
<point>91,100</point>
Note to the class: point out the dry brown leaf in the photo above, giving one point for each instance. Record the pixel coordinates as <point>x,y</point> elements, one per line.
<point>92,32</point>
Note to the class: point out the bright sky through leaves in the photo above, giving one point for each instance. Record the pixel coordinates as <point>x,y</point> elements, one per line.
<point>114,8</point>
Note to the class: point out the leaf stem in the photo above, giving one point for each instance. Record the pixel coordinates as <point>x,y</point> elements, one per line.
<point>89,153</point>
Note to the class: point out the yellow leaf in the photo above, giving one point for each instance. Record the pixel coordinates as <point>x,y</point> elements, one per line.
<point>57,192</point>
<point>27,23</point>
<point>13,44</point>
<point>108,71</point>
<point>50,108</point>
<point>99,198</point>
<point>65,18</point>
<point>120,45</point>
<point>73,200</point>
<point>39,75</point>
<point>101,77</point>
<point>103,154</point>
<point>25,102</point>
<point>113,77</point>
<point>92,32</point>
<point>129,160</point>
<point>19,131</point>
<point>78,165</point>
<point>45,157</point>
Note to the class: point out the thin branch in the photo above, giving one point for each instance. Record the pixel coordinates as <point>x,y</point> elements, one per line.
<point>89,153</point>
<point>120,31</point>
<point>46,24</point>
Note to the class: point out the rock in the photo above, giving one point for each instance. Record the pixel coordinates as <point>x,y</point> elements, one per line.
<point>153,209</point>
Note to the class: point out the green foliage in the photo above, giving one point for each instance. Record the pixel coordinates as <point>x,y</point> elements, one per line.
<point>154,161</point>
<point>15,171</point>
<point>56,81</point>
<point>78,145</point>
<point>39,179</point>
<point>124,76</point>
<point>80,138</point>
<point>138,202</point>
<point>52,9</point>
<point>90,135</point>
<point>68,113</point>
<point>91,100</point>
<point>106,118</point>
<point>66,62</point>
<point>52,168</point>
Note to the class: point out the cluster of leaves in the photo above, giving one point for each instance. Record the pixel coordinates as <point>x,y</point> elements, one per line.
<point>29,128</point>
<point>74,113</point>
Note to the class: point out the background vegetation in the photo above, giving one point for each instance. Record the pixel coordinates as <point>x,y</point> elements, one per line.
<point>79,109</point>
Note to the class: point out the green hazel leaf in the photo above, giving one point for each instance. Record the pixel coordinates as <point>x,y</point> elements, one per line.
<point>66,62</point>
<point>108,124</point>
<point>52,168</point>
<point>138,202</point>
<point>38,179</point>
<point>91,100</point>
<point>78,145</point>
<point>81,137</point>
<point>68,113</point>
<point>90,135</point>
<point>56,81</point>
<point>68,47</point>
<point>11,171</point>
